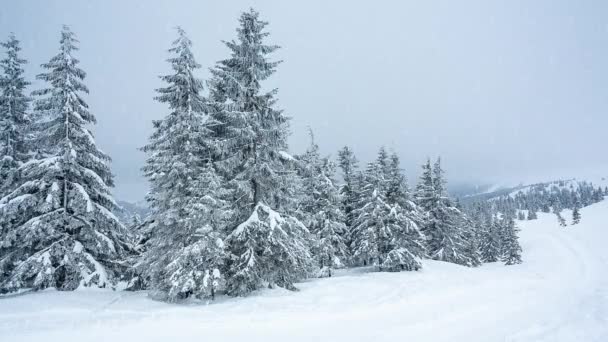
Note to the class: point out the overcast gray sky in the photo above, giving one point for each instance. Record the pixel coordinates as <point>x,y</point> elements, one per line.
<point>504,91</point>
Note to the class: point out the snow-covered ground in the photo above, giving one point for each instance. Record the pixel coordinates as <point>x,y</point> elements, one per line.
<point>559,293</point>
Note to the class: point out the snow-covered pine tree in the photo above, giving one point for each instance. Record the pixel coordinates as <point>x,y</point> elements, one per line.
<point>309,164</point>
<point>62,232</point>
<point>330,228</point>
<point>598,195</point>
<point>511,250</point>
<point>520,215</point>
<point>491,240</point>
<point>385,232</point>
<point>350,188</point>
<point>370,233</point>
<point>532,214</point>
<point>269,245</point>
<point>406,247</point>
<point>425,189</point>
<point>135,222</point>
<point>478,222</point>
<point>557,210</point>
<point>576,214</point>
<point>472,241</point>
<point>444,228</point>
<point>14,118</point>
<point>321,208</point>
<point>186,245</point>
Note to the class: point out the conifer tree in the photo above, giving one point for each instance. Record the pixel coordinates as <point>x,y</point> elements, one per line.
<point>186,249</point>
<point>576,214</point>
<point>407,244</point>
<point>350,189</point>
<point>446,234</point>
<point>370,232</point>
<point>491,240</point>
<point>269,245</point>
<point>62,232</point>
<point>386,231</point>
<point>328,225</point>
<point>557,209</point>
<point>425,189</point>
<point>14,118</point>
<point>321,210</point>
<point>520,215</point>
<point>309,169</point>
<point>532,214</point>
<point>511,250</point>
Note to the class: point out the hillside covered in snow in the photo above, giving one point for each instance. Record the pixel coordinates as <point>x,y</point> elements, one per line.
<point>559,293</point>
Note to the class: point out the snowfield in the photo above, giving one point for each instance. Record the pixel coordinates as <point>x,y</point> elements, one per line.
<point>559,293</point>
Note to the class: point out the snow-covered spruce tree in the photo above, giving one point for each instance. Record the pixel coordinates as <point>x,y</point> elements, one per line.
<point>385,232</point>
<point>444,226</point>
<point>479,213</point>
<point>557,210</point>
<point>511,250</point>
<point>309,167</point>
<point>62,233</point>
<point>532,214</point>
<point>491,240</point>
<point>520,215</point>
<point>407,245</point>
<point>425,190</point>
<point>370,233</point>
<point>135,222</point>
<point>350,188</point>
<point>472,240</point>
<point>185,250</point>
<point>14,119</point>
<point>329,227</point>
<point>576,213</point>
<point>268,245</point>
<point>321,210</point>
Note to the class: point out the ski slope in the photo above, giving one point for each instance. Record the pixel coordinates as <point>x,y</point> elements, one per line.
<point>559,293</point>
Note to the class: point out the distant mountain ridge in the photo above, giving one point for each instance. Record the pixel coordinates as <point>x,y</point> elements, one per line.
<point>512,191</point>
<point>128,210</point>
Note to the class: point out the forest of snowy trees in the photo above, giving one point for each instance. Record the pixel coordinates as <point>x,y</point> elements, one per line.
<point>232,211</point>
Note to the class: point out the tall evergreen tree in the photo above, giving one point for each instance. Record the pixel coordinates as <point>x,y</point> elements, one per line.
<point>350,189</point>
<point>532,214</point>
<point>407,245</point>
<point>491,240</point>
<point>386,231</point>
<point>186,243</point>
<point>425,189</point>
<point>331,249</point>
<point>321,207</point>
<point>370,232</point>
<point>14,118</point>
<point>520,215</point>
<point>576,214</point>
<point>444,227</point>
<point>269,245</point>
<point>511,250</point>
<point>557,209</point>
<point>62,230</point>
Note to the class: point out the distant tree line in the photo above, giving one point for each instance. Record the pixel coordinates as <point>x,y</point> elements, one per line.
<point>551,197</point>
